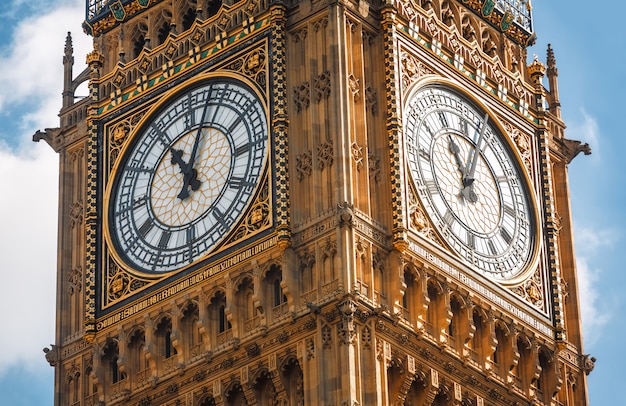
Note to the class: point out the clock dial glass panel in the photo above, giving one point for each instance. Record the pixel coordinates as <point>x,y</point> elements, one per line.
<point>468,182</point>
<point>189,176</point>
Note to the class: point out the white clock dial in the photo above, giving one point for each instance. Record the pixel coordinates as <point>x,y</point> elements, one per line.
<point>188,176</point>
<point>469,183</point>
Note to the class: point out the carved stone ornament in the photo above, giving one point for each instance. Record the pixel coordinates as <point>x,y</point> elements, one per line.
<point>258,216</point>
<point>252,65</point>
<point>373,163</point>
<point>327,339</point>
<point>302,96</point>
<point>346,329</point>
<point>52,354</point>
<point>325,154</point>
<point>74,280</point>
<point>371,99</point>
<point>357,155</point>
<point>304,165</point>
<point>531,290</point>
<point>419,221</point>
<point>355,87</point>
<point>412,69</point>
<point>321,86</point>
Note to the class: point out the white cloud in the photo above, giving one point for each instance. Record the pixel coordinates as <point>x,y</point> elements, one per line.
<point>29,182</point>
<point>595,314</point>
<point>34,64</point>
<point>584,127</point>
<point>595,309</point>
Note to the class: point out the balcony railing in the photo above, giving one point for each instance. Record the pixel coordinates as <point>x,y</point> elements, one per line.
<point>142,377</point>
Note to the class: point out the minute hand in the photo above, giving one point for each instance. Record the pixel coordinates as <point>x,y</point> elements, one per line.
<point>190,175</point>
<point>468,179</point>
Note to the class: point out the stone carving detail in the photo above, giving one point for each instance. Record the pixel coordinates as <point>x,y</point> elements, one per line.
<point>531,290</point>
<point>118,135</point>
<point>258,216</point>
<point>357,155</point>
<point>321,23</point>
<point>355,87</point>
<point>119,283</point>
<point>412,69</point>
<point>346,328</point>
<point>302,96</point>
<point>522,142</point>
<point>371,99</point>
<point>52,354</point>
<point>325,153</point>
<point>76,214</point>
<point>321,86</point>
<point>310,348</point>
<point>253,65</point>
<point>75,280</point>
<point>373,164</point>
<point>419,220</point>
<point>327,339</point>
<point>300,35</point>
<point>306,259</point>
<point>304,165</point>
<point>366,337</point>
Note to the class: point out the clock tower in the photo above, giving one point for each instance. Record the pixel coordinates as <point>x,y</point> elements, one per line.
<point>314,203</point>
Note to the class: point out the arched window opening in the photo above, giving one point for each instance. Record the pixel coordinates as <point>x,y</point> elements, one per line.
<point>110,359</point>
<point>188,18</point>
<point>275,299</point>
<point>454,328</point>
<point>138,363</point>
<point>214,7</point>
<point>476,345</point>
<point>191,331</point>
<point>164,32</point>
<point>138,45</point>
<point>524,364</point>
<point>431,314</point>
<point>164,334</point>
<point>218,319</point>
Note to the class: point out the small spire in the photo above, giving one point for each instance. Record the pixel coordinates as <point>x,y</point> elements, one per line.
<point>553,73</point>
<point>551,59</point>
<point>69,49</point>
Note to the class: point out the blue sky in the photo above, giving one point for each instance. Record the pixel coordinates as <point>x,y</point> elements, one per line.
<point>589,46</point>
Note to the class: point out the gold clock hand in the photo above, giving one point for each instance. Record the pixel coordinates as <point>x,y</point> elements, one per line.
<point>468,179</point>
<point>454,148</point>
<point>190,174</point>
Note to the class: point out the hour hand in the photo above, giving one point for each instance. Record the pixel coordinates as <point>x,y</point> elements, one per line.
<point>454,148</point>
<point>190,175</point>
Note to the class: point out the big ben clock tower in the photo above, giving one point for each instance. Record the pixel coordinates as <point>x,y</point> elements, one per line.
<point>314,203</point>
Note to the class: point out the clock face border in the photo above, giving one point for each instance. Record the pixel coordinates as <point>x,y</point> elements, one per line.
<point>165,101</point>
<point>531,260</point>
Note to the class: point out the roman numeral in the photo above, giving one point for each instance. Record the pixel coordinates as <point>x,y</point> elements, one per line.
<point>139,201</point>
<point>492,247</point>
<point>242,149</point>
<point>443,119</point>
<point>146,227</point>
<point>235,124</point>
<point>424,154</point>
<point>509,210</point>
<point>165,238</point>
<point>237,183</point>
<point>471,240</point>
<point>432,186</point>
<point>191,234</point>
<point>505,235</point>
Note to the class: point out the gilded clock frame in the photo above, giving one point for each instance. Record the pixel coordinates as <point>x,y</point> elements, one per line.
<point>118,284</point>
<point>534,257</point>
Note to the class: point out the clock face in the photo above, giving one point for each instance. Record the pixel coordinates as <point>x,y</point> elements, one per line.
<point>188,176</point>
<point>468,182</point>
